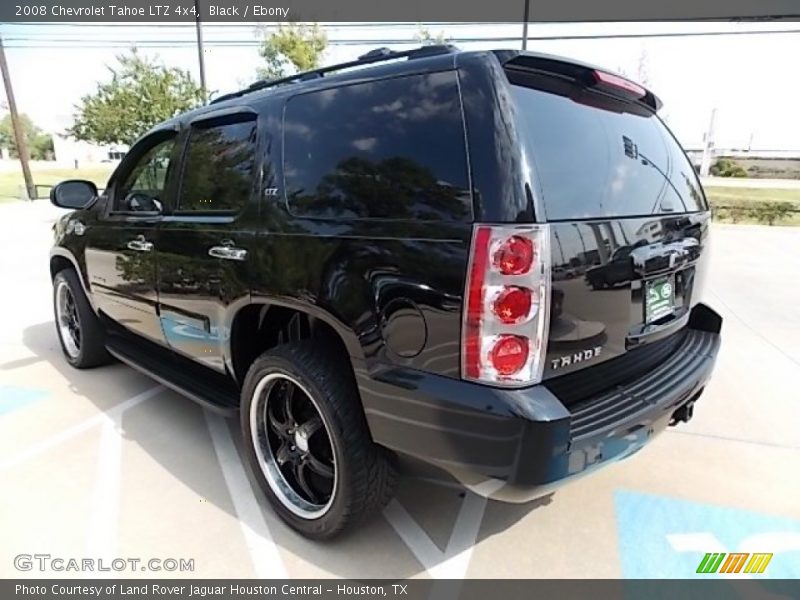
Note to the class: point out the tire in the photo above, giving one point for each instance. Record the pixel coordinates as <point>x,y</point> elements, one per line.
<point>363,478</point>
<point>87,349</point>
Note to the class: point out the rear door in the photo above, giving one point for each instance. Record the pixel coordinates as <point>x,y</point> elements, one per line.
<point>207,241</point>
<point>627,215</point>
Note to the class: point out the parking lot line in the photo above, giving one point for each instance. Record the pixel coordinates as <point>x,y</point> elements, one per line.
<point>683,476</point>
<point>745,323</point>
<point>453,563</point>
<point>13,398</point>
<point>101,537</point>
<point>413,536</point>
<point>462,540</point>
<point>725,438</point>
<point>69,433</point>
<point>264,554</point>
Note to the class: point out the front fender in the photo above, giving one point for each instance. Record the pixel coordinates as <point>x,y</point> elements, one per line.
<point>59,254</point>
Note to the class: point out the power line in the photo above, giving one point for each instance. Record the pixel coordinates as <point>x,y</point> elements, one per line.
<point>549,37</point>
<point>64,42</point>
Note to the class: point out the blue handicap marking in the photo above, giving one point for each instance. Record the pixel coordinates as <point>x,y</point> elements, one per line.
<point>665,537</point>
<point>13,397</point>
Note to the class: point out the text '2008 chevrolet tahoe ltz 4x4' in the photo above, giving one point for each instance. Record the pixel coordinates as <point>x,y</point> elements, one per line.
<point>486,261</point>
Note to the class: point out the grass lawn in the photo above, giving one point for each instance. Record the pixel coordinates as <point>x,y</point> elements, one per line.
<point>10,182</point>
<point>721,194</point>
<point>740,202</point>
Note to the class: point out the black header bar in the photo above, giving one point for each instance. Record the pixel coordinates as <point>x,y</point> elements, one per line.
<point>170,11</point>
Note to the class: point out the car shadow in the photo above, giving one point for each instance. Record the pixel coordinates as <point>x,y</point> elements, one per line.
<point>174,432</point>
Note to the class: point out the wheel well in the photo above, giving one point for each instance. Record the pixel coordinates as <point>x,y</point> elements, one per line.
<point>260,327</point>
<point>59,263</point>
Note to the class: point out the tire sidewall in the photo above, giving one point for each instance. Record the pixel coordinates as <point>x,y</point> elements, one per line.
<point>92,351</point>
<point>326,524</point>
<point>61,277</point>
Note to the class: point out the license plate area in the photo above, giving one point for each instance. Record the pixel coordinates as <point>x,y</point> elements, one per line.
<point>659,298</point>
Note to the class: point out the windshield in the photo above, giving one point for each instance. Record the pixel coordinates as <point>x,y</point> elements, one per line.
<point>593,159</point>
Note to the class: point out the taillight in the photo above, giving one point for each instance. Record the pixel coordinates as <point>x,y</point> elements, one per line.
<point>509,354</point>
<point>506,312</point>
<point>514,256</point>
<point>513,304</point>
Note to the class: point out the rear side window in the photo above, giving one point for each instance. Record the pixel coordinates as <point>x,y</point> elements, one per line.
<point>218,171</point>
<point>597,158</point>
<point>389,149</point>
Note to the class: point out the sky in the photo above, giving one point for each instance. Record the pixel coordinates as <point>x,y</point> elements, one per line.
<point>750,79</point>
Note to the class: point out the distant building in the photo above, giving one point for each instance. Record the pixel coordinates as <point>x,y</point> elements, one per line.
<point>70,152</point>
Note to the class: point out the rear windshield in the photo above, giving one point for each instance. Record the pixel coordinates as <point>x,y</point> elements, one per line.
<point>594,157</point>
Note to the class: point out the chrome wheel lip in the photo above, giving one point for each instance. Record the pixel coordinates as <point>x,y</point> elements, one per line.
<point>267,461</point>
<point>64,318</point>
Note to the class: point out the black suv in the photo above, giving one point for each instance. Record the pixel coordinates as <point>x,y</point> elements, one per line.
<point>405,256</point>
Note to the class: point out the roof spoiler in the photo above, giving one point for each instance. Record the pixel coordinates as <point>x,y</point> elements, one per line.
<point>582,74</point>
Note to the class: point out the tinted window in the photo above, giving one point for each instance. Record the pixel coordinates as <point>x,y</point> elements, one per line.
<point>219,165</point>
<point>601,159</point>
<point>142,189</point>
<point>391,149</point>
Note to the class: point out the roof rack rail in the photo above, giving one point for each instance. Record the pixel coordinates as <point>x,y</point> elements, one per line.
<point>373,56</point>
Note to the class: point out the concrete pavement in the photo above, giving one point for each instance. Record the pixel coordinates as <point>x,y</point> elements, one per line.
<point>106,463</point>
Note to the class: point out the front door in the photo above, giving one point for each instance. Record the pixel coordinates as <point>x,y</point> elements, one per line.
<point>121,246</point>
<point>206,242</point>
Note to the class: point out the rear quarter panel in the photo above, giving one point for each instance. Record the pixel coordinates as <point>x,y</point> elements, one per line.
<point>393,288</point>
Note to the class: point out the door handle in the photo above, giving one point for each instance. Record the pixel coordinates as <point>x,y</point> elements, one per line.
<point>140,244</point>
<point>227,251</point>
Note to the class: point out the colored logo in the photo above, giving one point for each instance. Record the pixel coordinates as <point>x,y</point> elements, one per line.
<point>721,562</point>
<point>666,537</point>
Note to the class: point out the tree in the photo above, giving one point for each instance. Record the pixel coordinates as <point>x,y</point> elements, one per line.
<point>426,38</point>
<point>294,46</point>
<point>40,144</point>
<point>770,212</point>
<point>725,167</point>
<point>142,92</point>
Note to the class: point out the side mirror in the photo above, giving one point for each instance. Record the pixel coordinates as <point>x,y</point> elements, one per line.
<point>73,193</point>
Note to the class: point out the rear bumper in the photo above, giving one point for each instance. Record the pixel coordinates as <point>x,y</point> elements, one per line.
<point>516,445</point>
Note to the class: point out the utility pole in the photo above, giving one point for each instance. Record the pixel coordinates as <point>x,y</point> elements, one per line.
<point>526,14</point>
<point>708,146</point>
<point>201,59</point>
<point>19,135</point>
<point>580,235</point>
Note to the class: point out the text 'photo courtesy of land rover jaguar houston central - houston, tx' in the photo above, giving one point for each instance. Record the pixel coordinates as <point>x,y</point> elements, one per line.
<point>486,262</point>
